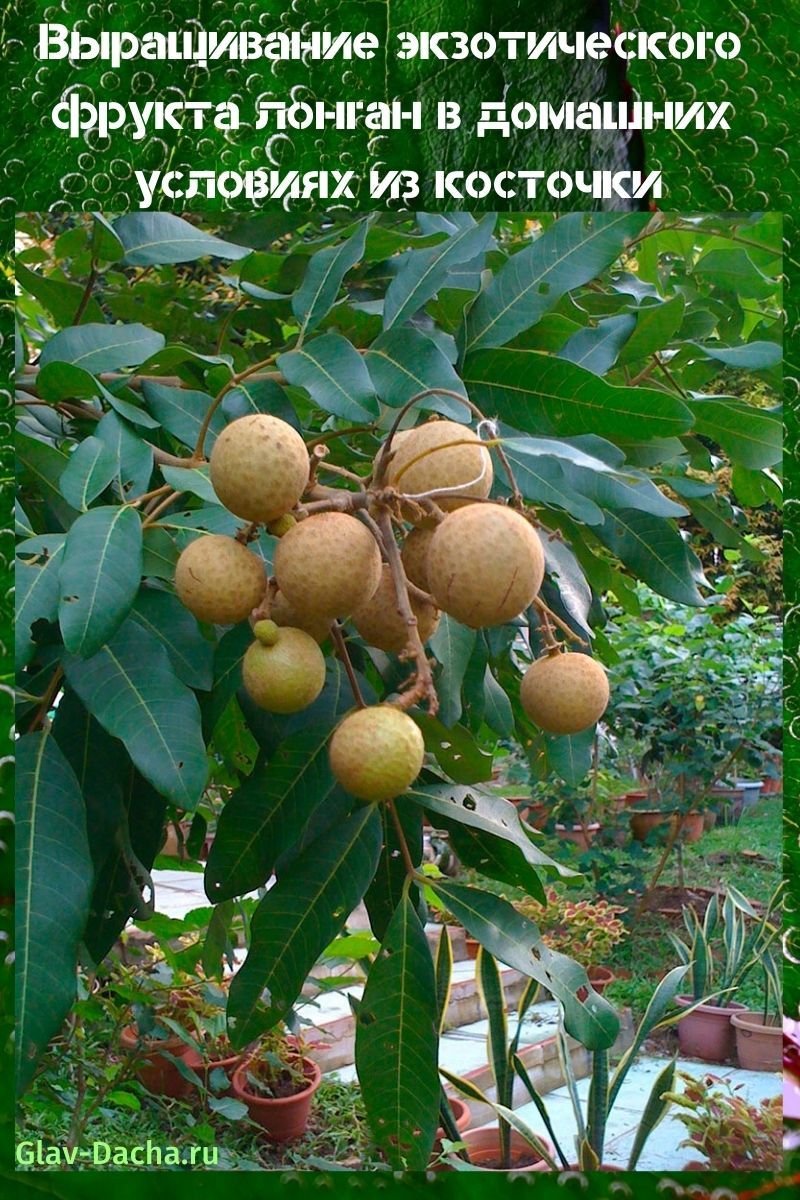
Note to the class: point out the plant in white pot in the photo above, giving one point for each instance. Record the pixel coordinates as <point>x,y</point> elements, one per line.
<point>724,948</point>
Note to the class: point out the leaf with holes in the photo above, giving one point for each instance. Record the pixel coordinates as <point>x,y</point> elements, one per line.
<point>299,916</point>
<point>99,577</point>
<point>89,471</point>
<point>397,1043</point>
<point>131,688</point>
<point>36,589</point>
<point>515,940</point>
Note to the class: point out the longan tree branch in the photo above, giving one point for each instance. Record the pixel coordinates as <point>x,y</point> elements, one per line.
<point>548,615</point>
<point>422,687</point>
<point>411,870</point>
<point>343,653</point>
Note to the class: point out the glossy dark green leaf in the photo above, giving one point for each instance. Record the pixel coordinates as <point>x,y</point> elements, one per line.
<point>53,872</point>
<point>324,275</point>
<point>130,687</point>
<point>515,940</point>
<point>299,916</point>
<point>655,551</point>
<point>385,892</point>
<point>403,362</point>
<point>191,654</point>
<point>254,395</point>
<point>99,348</point>
<point>397,1044</point>
<point>597,347</point>
<point>493,857</point>
<point>423,272</point>
<point>570,755</point>
<point>152,238</point>
<point>544,395</point>
<point>575,249</point>
<point>656,325</point>
<point>334,374</point>
<point>268,813</point>
<point>42,465</point>
<point>497,711</point>
<point>456,750</point>
<point>181,412</point>
<point>452,645</point>
<point>194,480</point>
<point>98,577</point>
<point>89,471</point>
<point>60,297</point>
<point>35,589</point>
<point>751,436</point>
<point>753,356</point>
<point>159,554</point>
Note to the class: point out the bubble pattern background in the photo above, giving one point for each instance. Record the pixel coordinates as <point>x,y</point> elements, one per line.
<point>748,168</point>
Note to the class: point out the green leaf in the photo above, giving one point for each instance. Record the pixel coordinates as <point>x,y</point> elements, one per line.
<point>444,976</point>
<point>452,644</point>
<point>541,477</point>
<point>627,488</point>
<point>386,890</point>
<point>255,395</point>
<point>575,249</point>
<point>422,273</point>
<point>191,654</point>
<point>491,992</point>
<point>456,751</point>
<point>656,325</point>
<point>106,246</point>
<point>299,916</point>
<point>402,362</point>
<point>497,713</point>
<point>194,480</point>
<point>734,269</point>
<point>487,813</point>
<point>544,395</point>
<point>334,374</point>
<point>597,347</point>
<point>99,348</point>
<point>59,296</point>
<point>571,756</point>
<point>268,813</point>
<point>90,469</point>
<point>159,554</point>
<point>153,238</point>
<point>35,589</point>
<point>181,412</point>
<point>133,691</point>
<point>99,577</point>
<point>133,457</point>
<point>515,940</point>
<point>753,356</point>
<point>751,436</point>
<point>660,1003</point>
<point>53,873</point>
<point>494,857</point>
<point>324,275</point>
<point>655,552</point>
<point>397,1044</point>
<point>654,1111</point>
<point>43,465</point>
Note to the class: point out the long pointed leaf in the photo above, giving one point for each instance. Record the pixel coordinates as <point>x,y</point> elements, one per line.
<point>541,1107</point>
<point>654,1111</point>
<point>444,976</point>
<point>660,1001</point>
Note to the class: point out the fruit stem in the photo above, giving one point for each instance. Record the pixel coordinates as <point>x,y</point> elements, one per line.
<point>423,687</point>
<point>386,450</point>
<point>161,507</point>
<point>411,870</point>
<point>343,653</point>
<point>547,615</point>
<point>47,699</point>
<point>228,386</point>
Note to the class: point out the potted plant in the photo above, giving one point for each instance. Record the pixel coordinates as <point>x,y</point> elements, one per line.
<point>731,1134</point>
<point>717,972</point>
<point>604,1090</point>
<point>165,1062</point>
<point>586,930</point>
<point>277,1083</point>
<point>759,1035</point>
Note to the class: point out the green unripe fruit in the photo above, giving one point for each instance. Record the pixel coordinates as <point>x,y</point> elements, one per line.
<point>219,579</point>
<point>376,753</point>
<point>284,669</point>
<point>565,693</point>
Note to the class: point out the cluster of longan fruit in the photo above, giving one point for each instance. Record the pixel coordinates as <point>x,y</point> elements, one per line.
<point>479,561</point>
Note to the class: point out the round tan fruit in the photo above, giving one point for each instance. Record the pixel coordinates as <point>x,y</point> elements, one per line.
<point>485,564</point>
<point>565,693</point>
<point>328,564</point>
<point>284,613</point>
<point>259,467</point>
<point>376,753</point>
<point>284,669</point>
<point>447,462</point>
<point>415,556</point>
<point>381,624</point>
<point>219,579</point>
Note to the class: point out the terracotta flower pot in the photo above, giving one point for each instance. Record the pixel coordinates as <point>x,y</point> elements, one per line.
<point>483,1146</point>
<point>228,1065</point>
<point>707,1032</point>
<point>581,836</point>
<point>759,1047</point>
<point>283,1119</point>
<point>646,820</point>
<point>709,819</point>
<point>536,815</point>
<point>637,796</point>
<point>158,1074</point>
<point>600,978</point>
<point>692,826</point>
<point>463,1116</point>
<point>473,946</point>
